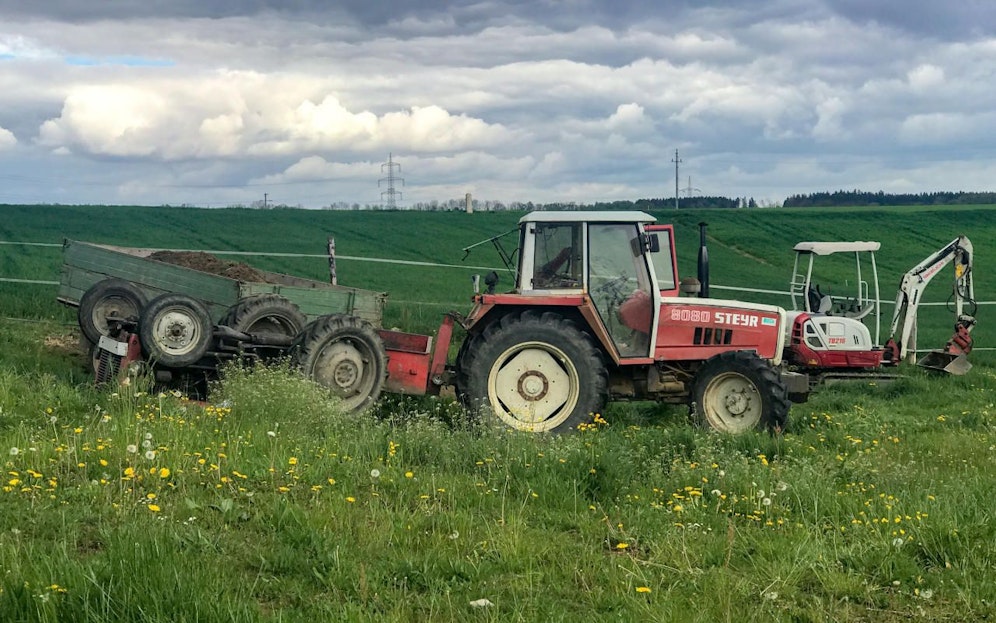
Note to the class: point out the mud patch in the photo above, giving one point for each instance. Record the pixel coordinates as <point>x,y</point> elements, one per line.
<point>207,263</point>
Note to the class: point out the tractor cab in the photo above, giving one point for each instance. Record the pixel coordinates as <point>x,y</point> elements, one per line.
<point>606,256</point>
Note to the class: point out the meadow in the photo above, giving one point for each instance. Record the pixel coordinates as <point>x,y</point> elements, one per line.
<point>266,503</point>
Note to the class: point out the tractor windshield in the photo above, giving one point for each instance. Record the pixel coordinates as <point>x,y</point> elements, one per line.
<point>619,285</point>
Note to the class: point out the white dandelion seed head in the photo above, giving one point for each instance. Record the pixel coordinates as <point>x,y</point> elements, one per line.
<point>271,433</point>
<point>148,435</point>
<point>716,492</point>
<point>454,535</point>
<point>760,493</point>
<point>375,473</point>
<point>131,448</point>
<point>150,454</point>
<point>772,595</point>
<point>53,420</point>
<point>146,444</point>
<point>766,501</point>
<point>14,451</point>
<point>782,485</point>
<point>897,542</point>
<point>926,593</point>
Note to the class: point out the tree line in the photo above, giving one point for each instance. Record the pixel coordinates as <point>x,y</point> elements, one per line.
<point>880,198</point>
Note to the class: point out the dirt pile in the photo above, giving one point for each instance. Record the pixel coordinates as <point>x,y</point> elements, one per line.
<point>207,263</point>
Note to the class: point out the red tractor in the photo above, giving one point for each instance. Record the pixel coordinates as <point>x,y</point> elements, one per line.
<point>594,315</point>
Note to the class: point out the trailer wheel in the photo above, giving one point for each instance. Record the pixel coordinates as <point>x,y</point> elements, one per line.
<point>175,330</point>
<point>110,298</point>
<point>737,391</point>
<point>265,314</point>
<point>345,354</point>
<point>534,371</point>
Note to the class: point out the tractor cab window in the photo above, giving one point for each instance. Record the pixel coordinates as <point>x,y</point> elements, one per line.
<point>619,286</point>
<point>557,259</point>
<point>663,261</point>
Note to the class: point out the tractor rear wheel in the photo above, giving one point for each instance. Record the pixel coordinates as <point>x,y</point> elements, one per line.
<point>737,391</point>
<point>345,354</point>
<point>265,314</point>
<point>534,371</point>
<point>107,299</point>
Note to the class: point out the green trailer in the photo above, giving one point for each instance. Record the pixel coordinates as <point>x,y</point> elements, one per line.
<point>85,264</point>
<point>182,318</point>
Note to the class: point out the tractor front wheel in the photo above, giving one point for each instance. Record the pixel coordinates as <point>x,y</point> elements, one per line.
<point>534,371</point>
<point>737,391</point>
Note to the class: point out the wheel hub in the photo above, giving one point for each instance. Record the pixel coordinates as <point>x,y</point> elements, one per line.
<point>737,403</point>
<point>345,374</point>
<point>533,385</point>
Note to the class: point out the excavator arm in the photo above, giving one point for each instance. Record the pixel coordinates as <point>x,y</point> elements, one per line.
<point>902,344</point>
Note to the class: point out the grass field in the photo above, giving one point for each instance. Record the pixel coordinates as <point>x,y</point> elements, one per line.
<point>268,504</point>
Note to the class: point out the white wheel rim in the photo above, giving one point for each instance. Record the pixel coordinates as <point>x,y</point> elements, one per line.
<point>176,332</point>
<point>732,403</point>
<point>533,386</point>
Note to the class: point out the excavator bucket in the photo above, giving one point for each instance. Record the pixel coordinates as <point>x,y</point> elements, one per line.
<point>943,361</point>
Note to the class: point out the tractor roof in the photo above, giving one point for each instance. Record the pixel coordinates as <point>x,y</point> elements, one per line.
<point>588,216</point>
<point>827,248</point>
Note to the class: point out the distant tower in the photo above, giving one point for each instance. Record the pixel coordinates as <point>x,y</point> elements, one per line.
<point>392,194</point>
<point>469,203</point>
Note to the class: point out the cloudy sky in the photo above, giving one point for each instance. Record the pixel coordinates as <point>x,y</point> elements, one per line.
<point>216,102</point>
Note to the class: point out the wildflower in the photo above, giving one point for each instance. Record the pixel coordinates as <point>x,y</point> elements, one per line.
<point>150,454</point>
<point>164,472</point>
<point>331,481</point>
<point>151,495</point>
<point>409,474</point>
<point>129,472</point>
<point>766,501</point>
<point>292,460</point>
<point>132,448</point>
<point>15,451</point>
<point>897,542</point>
<point>350,499</point>
<point>642,589</point>
<point>154,508</point>
<point>375,473</point>
<point>622,545</point>
<point>271,433</point>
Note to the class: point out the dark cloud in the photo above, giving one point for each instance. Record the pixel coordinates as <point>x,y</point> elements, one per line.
<point>931,18</point>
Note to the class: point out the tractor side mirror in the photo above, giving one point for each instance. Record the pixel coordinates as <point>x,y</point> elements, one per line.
<point>651,243</point>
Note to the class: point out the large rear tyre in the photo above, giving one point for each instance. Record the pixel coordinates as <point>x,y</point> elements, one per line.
<point>737,391</point>
<point>346,355</point>
<point>175,330</point>
<point>265,314</point>
<point>105,300</point>
<point>534,371</point>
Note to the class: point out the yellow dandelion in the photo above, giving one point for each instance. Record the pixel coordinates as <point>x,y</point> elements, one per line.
<point>409,475</point>
<point>292,460</point>
<point>129,472</point>
<point>350,499</point>
<point>154,508</point>
<point>622,545</point>
<point>643,589</point>
<point>164,472</point>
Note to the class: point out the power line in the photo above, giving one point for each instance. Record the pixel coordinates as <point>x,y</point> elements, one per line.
<point>392,194</point>
<point>676,160</point>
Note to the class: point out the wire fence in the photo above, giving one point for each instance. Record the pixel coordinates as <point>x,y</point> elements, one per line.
<point>384,260</point>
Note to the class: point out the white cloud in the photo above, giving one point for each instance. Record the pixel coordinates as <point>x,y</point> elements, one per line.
<point>7,139</point>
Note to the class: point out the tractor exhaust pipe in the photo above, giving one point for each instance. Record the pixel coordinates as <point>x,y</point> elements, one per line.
<point>703,262</point>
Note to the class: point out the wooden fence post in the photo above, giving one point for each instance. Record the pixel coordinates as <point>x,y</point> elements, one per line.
<point>333,278</point>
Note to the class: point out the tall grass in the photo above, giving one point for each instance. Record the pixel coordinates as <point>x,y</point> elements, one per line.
<point>267,503</point>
